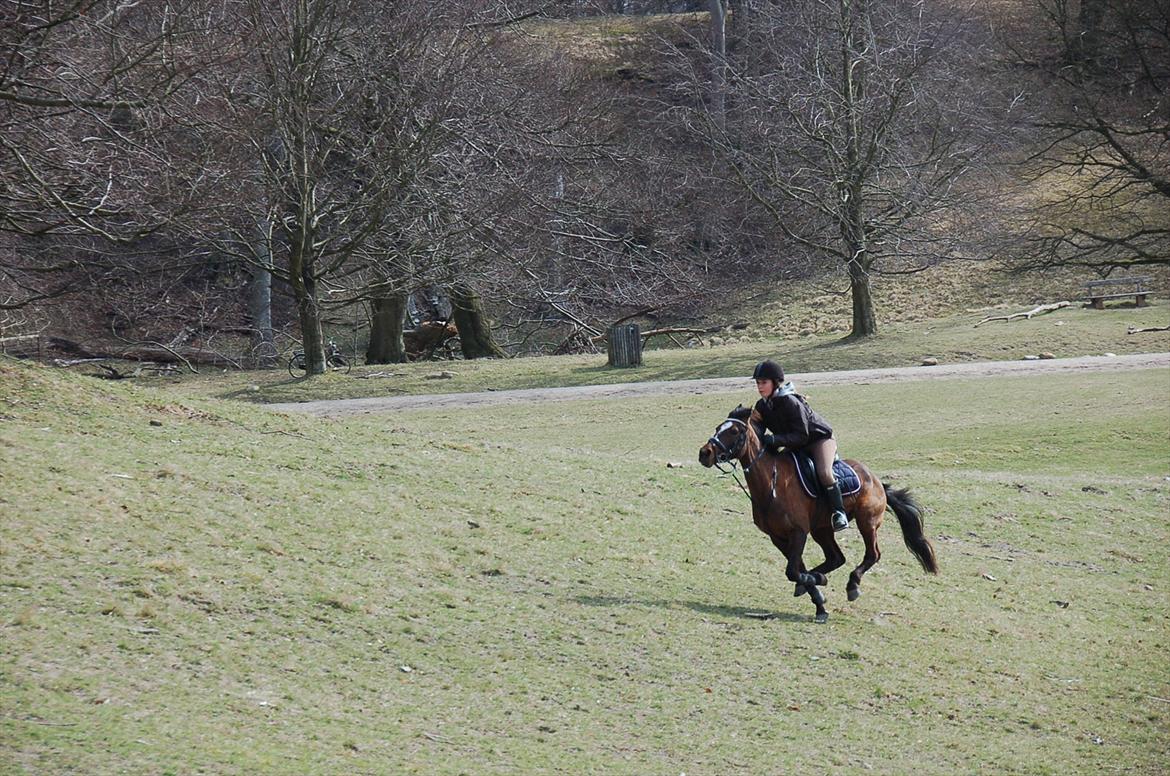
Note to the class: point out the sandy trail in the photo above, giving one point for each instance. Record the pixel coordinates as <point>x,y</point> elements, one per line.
<point>349,407</point>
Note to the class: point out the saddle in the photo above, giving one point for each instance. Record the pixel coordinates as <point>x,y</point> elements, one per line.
<point>806,472</point>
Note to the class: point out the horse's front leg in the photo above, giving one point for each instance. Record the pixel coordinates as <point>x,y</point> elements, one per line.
<point>816,574</point>
<point>793,549</point>
<point>834,559</point>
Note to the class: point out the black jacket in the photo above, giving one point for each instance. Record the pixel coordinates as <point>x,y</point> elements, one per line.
<point>792,423</point>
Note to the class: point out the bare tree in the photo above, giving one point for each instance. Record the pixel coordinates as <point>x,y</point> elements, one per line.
<point>88,144</point>
<point>1078,24</point>
<point>1105,157</point>
<point>603,223</point>
<point>336,129</point>
<point>848,124</point>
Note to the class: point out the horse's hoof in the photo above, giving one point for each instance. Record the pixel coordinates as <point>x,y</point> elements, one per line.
<point>853,593</point>
<point>799,591</point>
<point>821,618</point>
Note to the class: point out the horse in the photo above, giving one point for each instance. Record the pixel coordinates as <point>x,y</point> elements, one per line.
<point>783,511</point>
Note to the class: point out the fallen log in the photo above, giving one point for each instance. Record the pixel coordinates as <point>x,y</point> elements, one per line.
<point>1135,330</point>
<point>185,356</point>
<point>654,332</point>
<point>666,332</point>
<point>39,345</point>
<point>1044,308</point>
<point>110,372</point>
<point>43,346</point>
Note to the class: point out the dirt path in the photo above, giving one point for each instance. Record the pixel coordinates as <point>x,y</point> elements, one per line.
<point>345,407</point>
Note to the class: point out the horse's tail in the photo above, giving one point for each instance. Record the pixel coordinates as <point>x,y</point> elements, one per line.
<point>909,515</point>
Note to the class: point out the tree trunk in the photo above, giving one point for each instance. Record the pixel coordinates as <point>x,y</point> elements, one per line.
<point>386,345</point>
<point>305,293</point>
<point>555,263</point>
<point>475,335</point>
<point>260,308</point>
<point>854,15</point>
<point>718,10</point>
<point>864,319</point>
<point>1087,45</point>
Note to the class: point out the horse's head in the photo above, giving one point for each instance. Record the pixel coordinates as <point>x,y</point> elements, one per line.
<point>730,440</point>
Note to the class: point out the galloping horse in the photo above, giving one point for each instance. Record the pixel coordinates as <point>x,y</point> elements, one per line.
<point>783,511</point>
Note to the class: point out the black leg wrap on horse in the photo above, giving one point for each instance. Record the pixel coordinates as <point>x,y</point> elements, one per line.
<point>809,583</point>
<point>806,579</point>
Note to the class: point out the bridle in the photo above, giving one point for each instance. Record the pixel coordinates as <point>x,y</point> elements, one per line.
<point>725,455</point>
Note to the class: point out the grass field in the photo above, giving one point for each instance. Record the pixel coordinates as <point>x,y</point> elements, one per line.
<point>951,339</point>
<point>209,587</point>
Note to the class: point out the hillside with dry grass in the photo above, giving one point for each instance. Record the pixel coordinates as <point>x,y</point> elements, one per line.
<point>633,56</point>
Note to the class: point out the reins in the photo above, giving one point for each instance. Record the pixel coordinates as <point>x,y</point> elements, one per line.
<point>731,460</point>
<point>732,472</point>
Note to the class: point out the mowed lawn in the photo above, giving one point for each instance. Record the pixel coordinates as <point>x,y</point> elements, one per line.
<point>208,587</point>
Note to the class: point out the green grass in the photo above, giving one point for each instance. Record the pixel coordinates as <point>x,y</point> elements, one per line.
<point>230,590</point>
<point>1064,333</point>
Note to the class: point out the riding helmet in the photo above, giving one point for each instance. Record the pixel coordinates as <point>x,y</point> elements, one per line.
<point>768,370</point>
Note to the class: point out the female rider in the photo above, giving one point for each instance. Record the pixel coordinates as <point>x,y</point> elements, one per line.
<point>795,426</point>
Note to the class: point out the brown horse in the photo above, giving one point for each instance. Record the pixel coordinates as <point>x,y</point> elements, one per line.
<point>783,511</point>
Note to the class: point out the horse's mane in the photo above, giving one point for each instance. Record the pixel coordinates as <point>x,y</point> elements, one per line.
<point>740,413</point>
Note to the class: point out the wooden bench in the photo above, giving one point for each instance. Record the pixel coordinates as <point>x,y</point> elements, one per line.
<point>1097,291</point>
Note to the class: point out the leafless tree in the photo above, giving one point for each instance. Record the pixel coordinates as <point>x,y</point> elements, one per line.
<point>88,147</point>
<point>606,223</point>
<point>1105,156</point>
<point>340,128</point>
<point>847,122</point>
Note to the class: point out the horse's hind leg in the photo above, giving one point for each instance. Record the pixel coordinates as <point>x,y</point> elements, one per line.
<point>868,529</point>
<point>834,557</point>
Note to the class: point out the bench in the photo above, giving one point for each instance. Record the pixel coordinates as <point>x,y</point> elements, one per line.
<point>1097,291</point>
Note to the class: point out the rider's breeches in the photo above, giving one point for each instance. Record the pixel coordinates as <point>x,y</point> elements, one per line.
<point>823,452</point>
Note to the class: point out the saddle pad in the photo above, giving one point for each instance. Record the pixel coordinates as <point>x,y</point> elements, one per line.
<point>847,479</point>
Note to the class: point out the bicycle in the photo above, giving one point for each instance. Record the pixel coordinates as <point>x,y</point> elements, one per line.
<point>334,361</point>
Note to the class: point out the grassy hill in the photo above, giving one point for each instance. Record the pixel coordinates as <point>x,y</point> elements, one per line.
<point>196,585</point>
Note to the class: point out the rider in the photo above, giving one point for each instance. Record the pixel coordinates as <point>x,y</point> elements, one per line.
<point>795,426</point>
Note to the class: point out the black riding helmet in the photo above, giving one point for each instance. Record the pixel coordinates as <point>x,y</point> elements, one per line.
<point>768,370</point>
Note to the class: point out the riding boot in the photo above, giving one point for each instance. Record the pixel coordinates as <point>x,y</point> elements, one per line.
<point>840,521</point>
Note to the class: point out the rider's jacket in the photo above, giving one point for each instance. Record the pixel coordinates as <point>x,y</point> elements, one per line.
<point>792,422</point>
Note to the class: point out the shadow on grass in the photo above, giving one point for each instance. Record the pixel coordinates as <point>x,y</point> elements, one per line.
<point>731,612</point>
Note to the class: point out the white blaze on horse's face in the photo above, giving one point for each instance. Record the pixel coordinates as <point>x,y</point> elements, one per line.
<point>725,444</point>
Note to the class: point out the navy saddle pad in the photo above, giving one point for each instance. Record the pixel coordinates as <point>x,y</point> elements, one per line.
<point>806,472</point>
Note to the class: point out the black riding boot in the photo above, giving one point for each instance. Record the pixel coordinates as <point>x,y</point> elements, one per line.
<point>840,521</point>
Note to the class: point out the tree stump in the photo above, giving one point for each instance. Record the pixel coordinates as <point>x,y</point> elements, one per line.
<point>625,345</point>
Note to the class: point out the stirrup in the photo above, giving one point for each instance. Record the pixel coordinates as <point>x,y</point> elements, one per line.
<point>840,521</point>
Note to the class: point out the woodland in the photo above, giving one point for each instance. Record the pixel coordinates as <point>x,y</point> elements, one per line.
<point>240,178</point>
